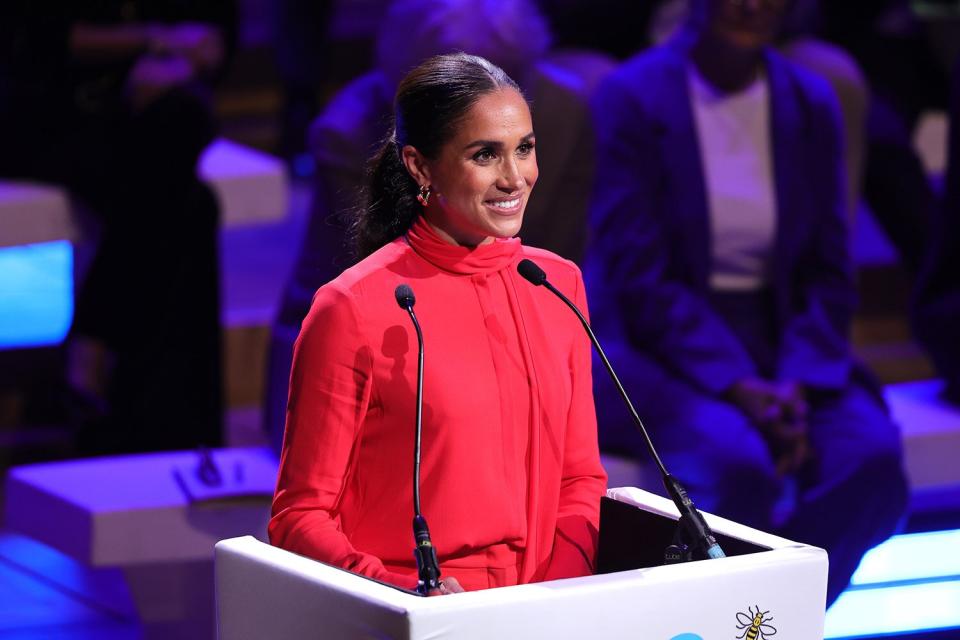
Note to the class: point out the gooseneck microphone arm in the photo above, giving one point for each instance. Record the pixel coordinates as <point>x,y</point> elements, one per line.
<point>691,520</point>
<point>428,568</point>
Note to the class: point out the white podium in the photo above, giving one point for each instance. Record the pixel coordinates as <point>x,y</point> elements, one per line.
<point>265,592</point>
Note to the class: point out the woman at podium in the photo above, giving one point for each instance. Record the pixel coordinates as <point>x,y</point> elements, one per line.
<point>511,475</point>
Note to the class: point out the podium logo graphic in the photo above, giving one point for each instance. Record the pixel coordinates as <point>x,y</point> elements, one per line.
<point>754,624</point>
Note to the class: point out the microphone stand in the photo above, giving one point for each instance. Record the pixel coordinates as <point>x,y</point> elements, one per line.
<point>693,534</point>
<point>428,567</point>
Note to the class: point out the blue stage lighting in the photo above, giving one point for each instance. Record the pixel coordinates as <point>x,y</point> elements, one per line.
<point>36,294</point>
<point>915,556</point>
<point>860,613</point>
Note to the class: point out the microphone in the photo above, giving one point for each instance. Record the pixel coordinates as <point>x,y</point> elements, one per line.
<point>428,568</point>
<point>691,520</point>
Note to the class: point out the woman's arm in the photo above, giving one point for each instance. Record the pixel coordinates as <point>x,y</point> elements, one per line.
<point>330,391</point>
<point>584,480</point>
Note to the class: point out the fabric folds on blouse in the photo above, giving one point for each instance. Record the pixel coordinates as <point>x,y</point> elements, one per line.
<point>510,472</point>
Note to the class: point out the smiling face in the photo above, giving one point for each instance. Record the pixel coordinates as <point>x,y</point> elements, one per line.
<point>482,177</point>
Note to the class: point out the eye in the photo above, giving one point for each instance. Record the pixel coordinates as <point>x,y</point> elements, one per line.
<point>484,155</point>
<point>525,149</point>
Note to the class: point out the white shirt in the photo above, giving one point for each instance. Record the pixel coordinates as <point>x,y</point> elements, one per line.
<point>735,148</point>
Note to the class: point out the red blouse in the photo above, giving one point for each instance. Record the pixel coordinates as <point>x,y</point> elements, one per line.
<point>511,475</point>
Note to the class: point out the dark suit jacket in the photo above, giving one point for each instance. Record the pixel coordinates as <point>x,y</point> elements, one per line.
<point>649,263</point>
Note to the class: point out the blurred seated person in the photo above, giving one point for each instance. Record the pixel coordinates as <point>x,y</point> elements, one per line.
<point>905,78</point>
<point>614,27</point>
<point>110,100</point>
<point>799,42</point>
<point>511,472</point>
<point>920,215</point>
<point>512,35</point>
<point>937,298</point>
<point>721,280</point>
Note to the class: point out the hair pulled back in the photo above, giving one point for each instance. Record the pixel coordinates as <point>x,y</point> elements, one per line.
<point>431,102</point>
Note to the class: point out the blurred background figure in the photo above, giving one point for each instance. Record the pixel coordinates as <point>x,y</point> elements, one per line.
<point>111,100</point>
<point>614,27</point>
<point>905,79</point>
<point>937,299</point>
<point>511,34</point>
<point>721,278</point>
<point>301,53</point>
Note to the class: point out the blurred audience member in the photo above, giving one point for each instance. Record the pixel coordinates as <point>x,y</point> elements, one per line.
<point>721,279</point>
<point>300,43</point>
<point>799,43</point>
<point>512,35</point>
<point>937,300</point>
<point>905,79</point>
<point>110,100</point>
<point>614,27</point>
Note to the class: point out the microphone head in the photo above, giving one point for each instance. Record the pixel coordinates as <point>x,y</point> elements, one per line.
<point>529,270</point>
<point>405,297</point>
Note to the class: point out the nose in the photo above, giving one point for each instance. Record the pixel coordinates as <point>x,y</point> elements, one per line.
<point>511,179</point>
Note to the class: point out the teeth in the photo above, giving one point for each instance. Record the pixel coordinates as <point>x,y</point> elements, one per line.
<point>506,204</point>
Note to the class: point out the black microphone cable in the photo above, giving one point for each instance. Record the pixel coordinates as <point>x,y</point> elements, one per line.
<point>690,518</point>
<point>428,568</point>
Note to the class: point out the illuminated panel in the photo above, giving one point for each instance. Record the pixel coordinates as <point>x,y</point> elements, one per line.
<point>914,556</point>
<point>36,294</point>
<point>891,610</point>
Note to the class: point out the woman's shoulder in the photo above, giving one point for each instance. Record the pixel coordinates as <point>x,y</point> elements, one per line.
<point>559,270</point>
<point>370,279</point>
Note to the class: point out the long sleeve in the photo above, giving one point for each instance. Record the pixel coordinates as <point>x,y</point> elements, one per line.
<point>583,479</point>
<point>815,341</point>
<point>634,267</point>
<point>331,389</point>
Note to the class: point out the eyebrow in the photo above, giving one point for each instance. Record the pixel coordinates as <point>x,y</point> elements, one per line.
<point>496,144</point>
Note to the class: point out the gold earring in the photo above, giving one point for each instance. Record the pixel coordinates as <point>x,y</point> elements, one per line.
<point>424,196</point>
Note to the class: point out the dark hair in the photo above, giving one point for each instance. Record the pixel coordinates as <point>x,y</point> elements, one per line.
<point>430,102</point>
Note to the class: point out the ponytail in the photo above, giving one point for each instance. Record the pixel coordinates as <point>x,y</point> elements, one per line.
<point>391,202</point>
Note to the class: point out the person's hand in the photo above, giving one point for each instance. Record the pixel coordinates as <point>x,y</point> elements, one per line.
<point>200,44</point>
<point>788,437</point>
<point>779,409</point>
<point>448,585</point>
<point>759,399</point>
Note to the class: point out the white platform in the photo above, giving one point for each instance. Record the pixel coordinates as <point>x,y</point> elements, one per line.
<point>931,433</point>
<point>128,510</point>
<point>32,212</point>
<point>135,515</point>
<point>251,187</point>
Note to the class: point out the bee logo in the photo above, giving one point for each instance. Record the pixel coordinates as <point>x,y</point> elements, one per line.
<point>754,624</point>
